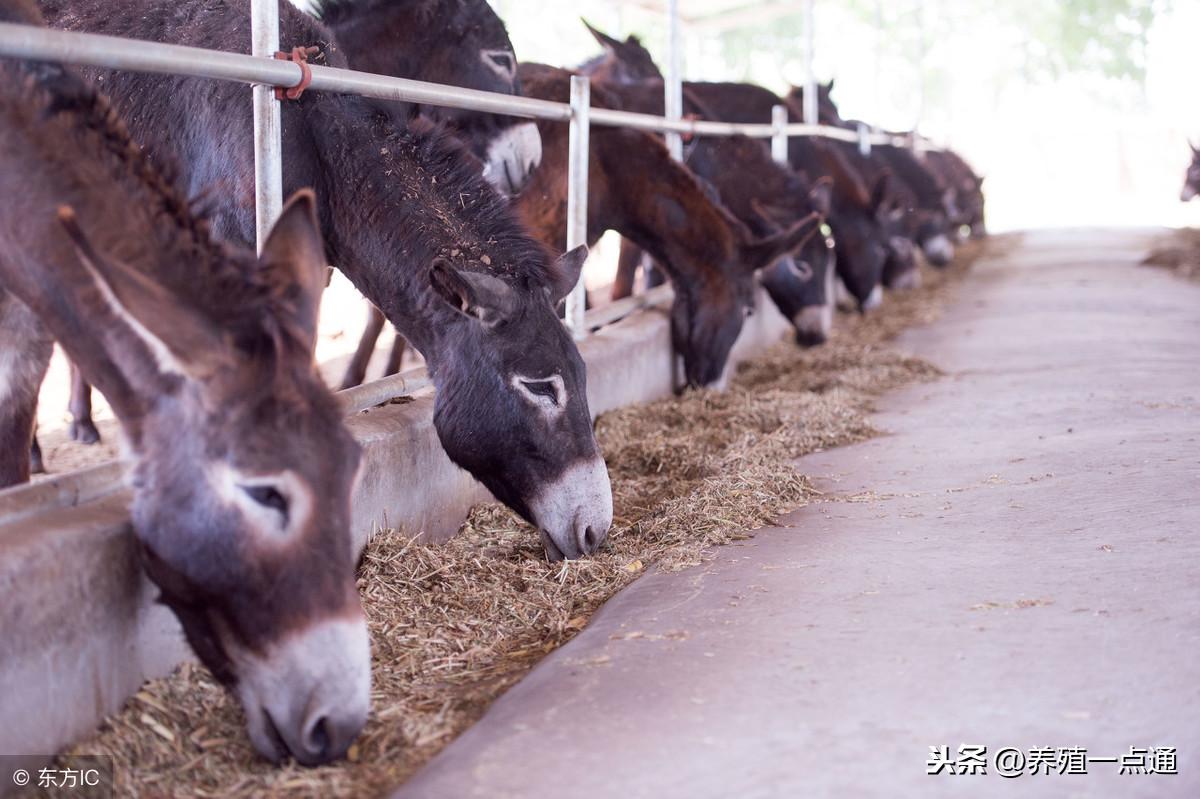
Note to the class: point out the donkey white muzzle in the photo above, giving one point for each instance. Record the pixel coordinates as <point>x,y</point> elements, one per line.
<point>939,250</point>
<point>511,158</point>
<point>574,512</point>
<point>310,695</point>
<point>874,299</point>
<point>813,324</point>
<point>908,279</point>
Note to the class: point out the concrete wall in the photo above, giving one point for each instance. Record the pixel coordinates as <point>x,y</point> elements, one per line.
<point>79,628</point>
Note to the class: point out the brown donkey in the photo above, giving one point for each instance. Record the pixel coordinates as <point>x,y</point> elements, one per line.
<point>636,189</point>
<point>243,471</point>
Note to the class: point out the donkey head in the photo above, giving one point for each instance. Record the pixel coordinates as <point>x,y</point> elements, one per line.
<point>865,233</point>
<point>512,406</point>
<point>801,285</point>
<point>457,42</point>
<point>1191,183</point>
<point>243,473</point>
<point>827,110</point>
<point>623,61</point>
<point>707,317</point>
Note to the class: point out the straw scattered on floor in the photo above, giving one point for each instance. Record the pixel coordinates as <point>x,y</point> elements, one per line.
<point>1180,254</point>
<point>454,625</point>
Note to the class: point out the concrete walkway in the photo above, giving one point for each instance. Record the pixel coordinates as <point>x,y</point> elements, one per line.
<point>1018,567</point>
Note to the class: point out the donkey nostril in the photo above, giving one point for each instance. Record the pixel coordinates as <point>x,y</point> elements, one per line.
<point>317,741</point>
<point>590,539</point>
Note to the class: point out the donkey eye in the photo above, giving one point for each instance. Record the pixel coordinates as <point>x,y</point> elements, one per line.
<point>268,497</point>
<point>502,60</point>
<point>542,388</point>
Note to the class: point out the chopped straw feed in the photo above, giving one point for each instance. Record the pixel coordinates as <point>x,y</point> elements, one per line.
<point>454,625</point>
<point>1179,254</point>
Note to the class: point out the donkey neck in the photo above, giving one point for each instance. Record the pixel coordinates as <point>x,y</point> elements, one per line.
<point>400,198</point>
<point>670,217</point>
<point>65,146</point>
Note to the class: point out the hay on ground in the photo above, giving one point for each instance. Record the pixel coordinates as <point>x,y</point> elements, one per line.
<point>1180,254</point>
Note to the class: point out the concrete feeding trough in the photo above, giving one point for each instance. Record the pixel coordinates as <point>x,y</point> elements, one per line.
<point>80,630</point>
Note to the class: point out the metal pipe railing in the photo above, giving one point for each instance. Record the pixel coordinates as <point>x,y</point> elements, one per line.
<point>112,52</point>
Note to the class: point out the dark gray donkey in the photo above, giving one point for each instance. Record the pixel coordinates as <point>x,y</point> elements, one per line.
<point>242,469</point>
<point>413,225</point>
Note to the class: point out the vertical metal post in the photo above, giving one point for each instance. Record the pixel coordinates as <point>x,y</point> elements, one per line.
<point>779,142</point>
<point>923,21</point>
<point>577,194</point>
<point>268,158</point>
<point>673,85</point>
<point>810,74</point>
<point>864,139</point>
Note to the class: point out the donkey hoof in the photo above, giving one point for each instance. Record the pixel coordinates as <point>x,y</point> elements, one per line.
<point>84,431</point>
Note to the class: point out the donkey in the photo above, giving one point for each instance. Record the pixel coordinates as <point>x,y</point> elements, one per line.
<point>434,40</point>
<point>410,39</point>
<point>766,197</point>
<point>419,232</point>
<point>455,42</point>
<point>243,470</point>
<point>1191,181</point>
<point>637,189</point>
<point>954,171</point>
<point>861,218</point>
<point>929,204</point>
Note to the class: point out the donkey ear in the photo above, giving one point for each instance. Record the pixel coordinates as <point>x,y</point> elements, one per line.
<point>181,340</point>
<point>480,296</point>
<point>606,41</point>
<point>764,219</point>
<point>764,252</point>
<point>294,264</point>
<point>821,196</point>
<point>567,270</point>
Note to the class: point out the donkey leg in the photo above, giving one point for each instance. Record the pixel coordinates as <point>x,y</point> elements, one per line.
<point>25,349</point>
<point>396,356</point>
<point>627,266</point>
<point>356,371</point>
<point>82,429</point>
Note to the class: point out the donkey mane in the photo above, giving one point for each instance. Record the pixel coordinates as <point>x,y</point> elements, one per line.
<point>230,288</point>
<point>423,164</point>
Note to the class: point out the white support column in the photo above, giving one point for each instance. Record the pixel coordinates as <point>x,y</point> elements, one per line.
<point>268,158</point>
<point>779,142</point>
<point>864,139</point>
<point>673,85</point>
<point>577,194</point>
<point>810,74</point>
